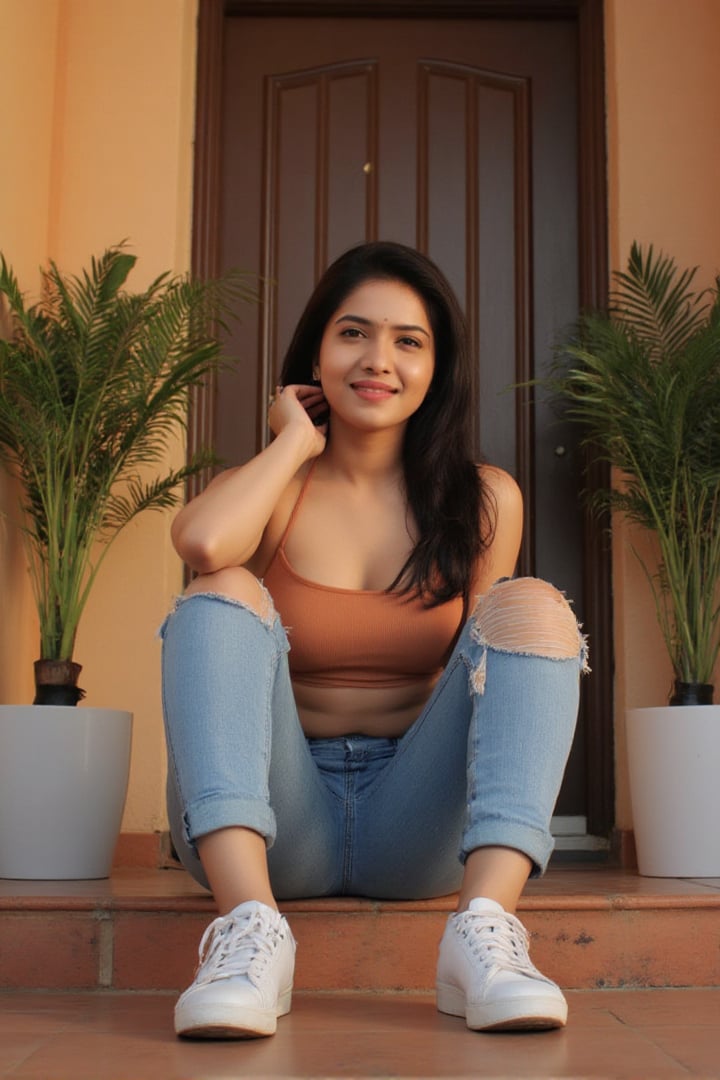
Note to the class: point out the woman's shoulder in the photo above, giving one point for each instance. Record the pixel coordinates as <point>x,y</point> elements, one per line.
<point>506,515</point>
<point>501,485</point>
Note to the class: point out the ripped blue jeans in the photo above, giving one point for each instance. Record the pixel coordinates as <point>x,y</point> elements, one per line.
<point>360,815</point>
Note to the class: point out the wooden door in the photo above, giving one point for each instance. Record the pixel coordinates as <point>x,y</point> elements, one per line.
<point>458,136</point>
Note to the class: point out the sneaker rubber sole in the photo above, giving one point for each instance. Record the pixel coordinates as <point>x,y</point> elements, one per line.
<point>229,1021</point>
<point>527,1013</point>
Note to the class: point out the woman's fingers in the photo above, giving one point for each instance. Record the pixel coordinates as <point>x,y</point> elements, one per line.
<point>289,403</point>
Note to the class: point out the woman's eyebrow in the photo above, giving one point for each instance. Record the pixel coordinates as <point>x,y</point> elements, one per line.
<point>368,322</point>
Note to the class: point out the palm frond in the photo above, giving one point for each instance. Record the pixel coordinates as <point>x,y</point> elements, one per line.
<point>656,301</point>
<point>643,381</point>
<point>94,384</point>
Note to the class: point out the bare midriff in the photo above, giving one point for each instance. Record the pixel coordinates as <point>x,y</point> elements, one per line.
<point>386,712</point>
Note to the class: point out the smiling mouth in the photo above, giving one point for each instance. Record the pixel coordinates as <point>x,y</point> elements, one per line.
<point>373,389</point>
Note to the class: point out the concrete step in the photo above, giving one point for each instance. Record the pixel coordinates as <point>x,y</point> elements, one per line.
<point>591,928</point>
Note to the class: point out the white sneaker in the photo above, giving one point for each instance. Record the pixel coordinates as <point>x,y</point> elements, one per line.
<point>485,974</point>
<point>244,978</point>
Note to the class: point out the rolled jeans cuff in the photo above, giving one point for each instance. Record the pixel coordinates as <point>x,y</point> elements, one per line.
<point>535,843</point>
<point>215,812</point>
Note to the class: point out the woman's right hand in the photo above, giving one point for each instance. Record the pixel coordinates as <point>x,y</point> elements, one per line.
<point>301,405</point>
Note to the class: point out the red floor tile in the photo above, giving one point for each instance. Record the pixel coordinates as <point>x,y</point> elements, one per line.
<point>49,950</point>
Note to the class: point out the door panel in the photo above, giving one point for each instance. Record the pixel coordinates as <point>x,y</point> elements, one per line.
<point>457,136</point>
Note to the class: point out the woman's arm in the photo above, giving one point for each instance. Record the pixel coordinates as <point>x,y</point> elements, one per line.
<point>224,525</point>
<point>500,558</point>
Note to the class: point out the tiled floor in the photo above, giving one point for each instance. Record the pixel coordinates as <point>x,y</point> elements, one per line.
<point>611,1033</point>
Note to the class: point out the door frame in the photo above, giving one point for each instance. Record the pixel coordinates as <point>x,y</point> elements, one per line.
<point>592,275</point>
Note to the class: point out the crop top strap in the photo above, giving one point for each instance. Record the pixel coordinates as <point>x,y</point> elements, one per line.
<point>295,509</point>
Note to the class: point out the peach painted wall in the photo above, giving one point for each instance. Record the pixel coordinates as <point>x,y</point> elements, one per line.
<point>663,94</point>
<point>111,93</point>
<point>28,48</point>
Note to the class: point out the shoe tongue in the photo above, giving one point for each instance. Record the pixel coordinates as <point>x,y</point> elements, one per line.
<point>249,907</point>
<point>485,906</point>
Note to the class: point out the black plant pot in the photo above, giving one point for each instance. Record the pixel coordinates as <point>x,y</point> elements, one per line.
<point>692,693</point>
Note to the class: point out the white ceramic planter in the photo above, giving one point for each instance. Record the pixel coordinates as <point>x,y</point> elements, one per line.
<point>63,780</point>
<point>674,763</point>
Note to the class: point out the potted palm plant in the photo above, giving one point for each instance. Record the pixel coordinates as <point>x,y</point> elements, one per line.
<point>643,380</point>
<point>94,381</point>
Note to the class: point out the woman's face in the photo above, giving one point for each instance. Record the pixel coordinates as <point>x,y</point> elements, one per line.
<point>377,355</point>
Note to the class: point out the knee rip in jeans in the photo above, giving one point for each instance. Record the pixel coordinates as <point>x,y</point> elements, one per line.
<point>529,617</point>
<point>264,609</point>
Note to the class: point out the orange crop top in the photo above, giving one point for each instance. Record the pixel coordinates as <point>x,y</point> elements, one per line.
<point>358,637</point>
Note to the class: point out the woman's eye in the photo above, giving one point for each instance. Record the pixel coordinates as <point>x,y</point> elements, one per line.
<point>410,341</point>
<point>351,332</point>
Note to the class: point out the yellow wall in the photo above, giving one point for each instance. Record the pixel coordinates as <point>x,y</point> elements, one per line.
<point>102,151</point>
<point>28,47</point>
<point>663,93</point>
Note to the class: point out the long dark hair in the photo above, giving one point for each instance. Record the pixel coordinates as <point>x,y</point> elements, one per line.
<point>452,508</point>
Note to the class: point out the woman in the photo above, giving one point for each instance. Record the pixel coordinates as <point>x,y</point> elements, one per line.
<point>336,722</point>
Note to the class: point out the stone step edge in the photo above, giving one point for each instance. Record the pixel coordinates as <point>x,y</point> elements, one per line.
<point>344,905</point>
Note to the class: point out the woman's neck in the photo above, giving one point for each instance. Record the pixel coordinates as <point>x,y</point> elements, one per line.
<point>364,455</point>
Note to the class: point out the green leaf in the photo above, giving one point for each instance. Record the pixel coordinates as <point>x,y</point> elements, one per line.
<point>118,270</point>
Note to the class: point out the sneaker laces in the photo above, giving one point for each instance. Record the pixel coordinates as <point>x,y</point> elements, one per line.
<point>499,942</point>
<point>238,945</point>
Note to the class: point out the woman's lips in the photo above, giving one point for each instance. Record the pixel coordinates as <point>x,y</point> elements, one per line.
<point>373,391</point>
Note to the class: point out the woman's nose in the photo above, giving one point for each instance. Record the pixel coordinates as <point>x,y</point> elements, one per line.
<point>377,356</point>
